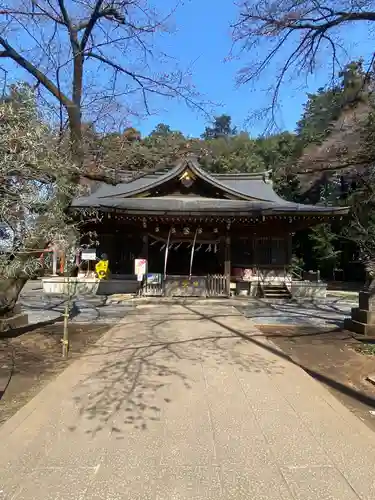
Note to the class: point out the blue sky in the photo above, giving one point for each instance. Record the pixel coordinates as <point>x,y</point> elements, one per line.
<point>202,40</point>
<point>203,35</point>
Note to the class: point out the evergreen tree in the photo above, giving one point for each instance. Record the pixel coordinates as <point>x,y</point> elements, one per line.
<point>161,129</point>
<point>221,128</point>
<point>320,110</point>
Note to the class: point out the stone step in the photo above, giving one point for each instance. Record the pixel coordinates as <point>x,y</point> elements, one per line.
<point>276,291</point>
<point>276,294</point>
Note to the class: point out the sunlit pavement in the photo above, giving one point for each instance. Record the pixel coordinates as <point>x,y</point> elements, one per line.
<point>41,307</point>
<point>185,402</point>
<point>328,312</point>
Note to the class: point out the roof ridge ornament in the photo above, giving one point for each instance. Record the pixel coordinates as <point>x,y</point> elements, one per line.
<point>187,178</point>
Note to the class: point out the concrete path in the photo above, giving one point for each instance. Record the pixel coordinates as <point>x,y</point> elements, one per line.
<point>174,404</point>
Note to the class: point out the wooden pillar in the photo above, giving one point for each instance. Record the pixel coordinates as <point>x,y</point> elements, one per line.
<point>227,263</point>
<point>145,246</point>
<point>254,250</point>
<point>255,256</point>
<point>289,249</point>
<point>145,252</point>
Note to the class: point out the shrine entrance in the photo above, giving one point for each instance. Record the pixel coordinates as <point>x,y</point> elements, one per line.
<point>184,257</point>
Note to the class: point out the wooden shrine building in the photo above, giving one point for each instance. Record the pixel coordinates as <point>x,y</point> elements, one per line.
<point>199,233</point>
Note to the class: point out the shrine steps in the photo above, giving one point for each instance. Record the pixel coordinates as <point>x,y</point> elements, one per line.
<point>274,291</point>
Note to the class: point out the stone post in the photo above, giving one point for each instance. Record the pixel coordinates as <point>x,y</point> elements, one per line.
<point>362,320</point>
<point>54,261</point>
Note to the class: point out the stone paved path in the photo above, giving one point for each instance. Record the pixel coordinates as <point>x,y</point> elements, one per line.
<point>329,312</point>
<point>174,404</point>
<point>88,309</point>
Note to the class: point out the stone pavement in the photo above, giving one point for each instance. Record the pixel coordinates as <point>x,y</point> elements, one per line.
<point>329,312</point>
<point>87,309</point>
<point>321,313</point>
<point>175,403</point>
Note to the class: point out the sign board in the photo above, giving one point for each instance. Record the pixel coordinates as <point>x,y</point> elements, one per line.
<point>154,278</point>
<point>140,268</point>
<point>88,254</point>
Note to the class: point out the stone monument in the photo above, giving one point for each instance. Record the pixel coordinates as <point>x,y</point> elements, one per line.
<point>362,320</point>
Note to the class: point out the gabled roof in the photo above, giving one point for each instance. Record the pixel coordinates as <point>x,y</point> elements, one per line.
<point>252,186</point>
<point>150,181</point>
<point>246,192</point>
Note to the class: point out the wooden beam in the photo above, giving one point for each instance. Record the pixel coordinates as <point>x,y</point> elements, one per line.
<point>227,262</point>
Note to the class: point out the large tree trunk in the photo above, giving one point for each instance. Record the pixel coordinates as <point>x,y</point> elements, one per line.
<point>11,286</point>
<point>75,127</point>
<point>74,111</point>
<point>10,290</point>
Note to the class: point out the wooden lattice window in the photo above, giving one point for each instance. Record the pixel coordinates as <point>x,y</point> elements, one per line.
<point>242,252</point>
<point>278,251</point>
<point>270,251</point>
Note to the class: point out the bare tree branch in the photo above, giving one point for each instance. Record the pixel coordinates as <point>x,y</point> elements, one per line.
<point>295,32</point>
<point>73,43</point>
<point>10,52</point>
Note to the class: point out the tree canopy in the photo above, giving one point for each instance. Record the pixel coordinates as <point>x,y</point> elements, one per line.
<point>33,196</point>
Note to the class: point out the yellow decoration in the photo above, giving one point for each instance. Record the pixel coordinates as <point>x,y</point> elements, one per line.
<point>102,269</point>
<point>187,176</point>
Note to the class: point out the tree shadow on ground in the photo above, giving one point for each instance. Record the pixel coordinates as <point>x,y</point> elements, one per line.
<point>85,309</point>
<point>328,381</point>
<point>135,377</point>
<point>130,377</point>
<point>292,311</point>
<point>30,360</point>
<point>17,332</point>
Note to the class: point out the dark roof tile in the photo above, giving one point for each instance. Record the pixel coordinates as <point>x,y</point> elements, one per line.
<point>254,192</point>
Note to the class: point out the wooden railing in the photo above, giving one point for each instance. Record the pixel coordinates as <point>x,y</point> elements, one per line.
<point>152,289</point>
<point>217,286</point>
